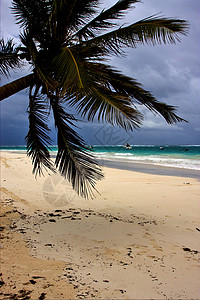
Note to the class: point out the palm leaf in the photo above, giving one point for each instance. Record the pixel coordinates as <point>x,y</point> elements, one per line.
<point>9,58</point>
<point>68,15</point>
<point>102,21</point>
<point>65,68</point>
<point>29,43</point>
<point>73,158</point>
<point>37,138</point>
<point>152,30</point>
<point>127,86</point>
<point>89,53</point>
<point>38,60</point>
<point>89,95</point>
<point>107,106</point>
<point>32,15</point>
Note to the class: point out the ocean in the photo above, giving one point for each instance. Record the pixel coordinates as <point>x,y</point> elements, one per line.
<point>182,156</point>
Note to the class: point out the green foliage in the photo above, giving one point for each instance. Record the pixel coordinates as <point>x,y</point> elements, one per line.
<point>37,138</point>
<point>9,58</point>
<point>67,45</point>
<point>73,159</point>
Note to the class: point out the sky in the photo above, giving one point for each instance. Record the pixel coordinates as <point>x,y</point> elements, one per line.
<point>170,72</point>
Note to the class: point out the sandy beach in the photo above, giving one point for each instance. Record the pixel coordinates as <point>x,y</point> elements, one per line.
<point>139,238</point>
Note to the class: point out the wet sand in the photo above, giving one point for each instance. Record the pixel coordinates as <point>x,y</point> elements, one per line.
<point>149,168</point>
<point>138,239</point>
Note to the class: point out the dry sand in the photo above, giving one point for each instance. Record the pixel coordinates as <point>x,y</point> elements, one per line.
<point>138,239</point>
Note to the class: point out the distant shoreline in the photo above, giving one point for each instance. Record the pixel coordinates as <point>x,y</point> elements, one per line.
<point>140,167</point>
<point>169,157</point>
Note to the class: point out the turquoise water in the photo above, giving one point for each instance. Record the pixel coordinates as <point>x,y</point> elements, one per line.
<point>183,156</point>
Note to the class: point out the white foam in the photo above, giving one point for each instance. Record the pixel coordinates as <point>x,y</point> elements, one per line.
<point>155,160</point>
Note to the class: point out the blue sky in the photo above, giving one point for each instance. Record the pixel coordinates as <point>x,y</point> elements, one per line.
<point>170,72</point>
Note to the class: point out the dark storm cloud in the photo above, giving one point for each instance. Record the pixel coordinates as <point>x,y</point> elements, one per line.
<point>170,72</point>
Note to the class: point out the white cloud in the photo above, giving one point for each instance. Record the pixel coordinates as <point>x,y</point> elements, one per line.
<point>161,125</point>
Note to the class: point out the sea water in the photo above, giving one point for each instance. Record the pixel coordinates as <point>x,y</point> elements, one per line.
<point>182,156</point>
<point>186,156</point>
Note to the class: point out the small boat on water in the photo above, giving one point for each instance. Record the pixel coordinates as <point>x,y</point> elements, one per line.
<point>89,146</point>
<point>161,148</point>
<point>127,146</point>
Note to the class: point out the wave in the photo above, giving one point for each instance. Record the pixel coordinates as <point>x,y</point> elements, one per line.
<point>193,164</point>
<point>174,156</point>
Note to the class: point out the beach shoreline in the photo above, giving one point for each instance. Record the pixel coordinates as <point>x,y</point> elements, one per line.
<point>148,168</point>
<point>142,230</point>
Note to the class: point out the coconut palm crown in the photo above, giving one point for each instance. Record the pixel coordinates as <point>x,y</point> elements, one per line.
<point>67,45</point>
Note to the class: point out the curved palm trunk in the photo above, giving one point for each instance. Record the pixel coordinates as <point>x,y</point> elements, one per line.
<point>15,86</point>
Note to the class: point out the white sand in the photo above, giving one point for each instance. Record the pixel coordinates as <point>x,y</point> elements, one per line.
<point>127,243</point>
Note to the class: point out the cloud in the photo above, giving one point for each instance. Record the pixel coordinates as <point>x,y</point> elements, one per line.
<point>170,72</point>
<point>9,29</point>
<point>14,109</point>
<point>152,124</point>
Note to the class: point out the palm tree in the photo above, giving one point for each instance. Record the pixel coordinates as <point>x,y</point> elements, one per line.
<point>67,44</point>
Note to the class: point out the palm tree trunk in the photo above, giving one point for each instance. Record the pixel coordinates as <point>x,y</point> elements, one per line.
<point>15,86</point>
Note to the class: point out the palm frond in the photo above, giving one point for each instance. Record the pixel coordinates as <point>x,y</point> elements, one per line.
<point>103,20</point>
<point>37,60</point>
<point>37,138</point>
<point>89,95</point>
<point>9,58</point>
<point>127,86</point>
<point>90,53</point>
<point>32,15</point>
<point>152,30</point>
<point>66,70</point>
<point>107,106</point>
<point>69,15</point>
<point>73,159</point>
<point>28,41</point>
